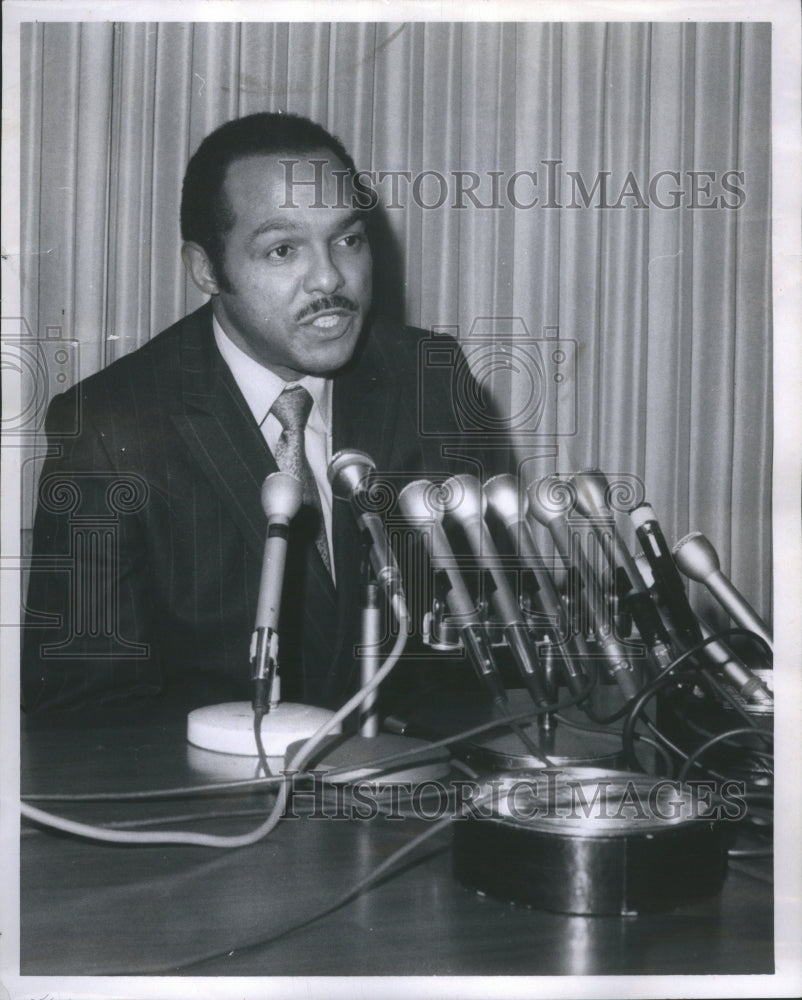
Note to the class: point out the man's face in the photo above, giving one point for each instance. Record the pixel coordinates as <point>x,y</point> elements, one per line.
<point>298,276</point>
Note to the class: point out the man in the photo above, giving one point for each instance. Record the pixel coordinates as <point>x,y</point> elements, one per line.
<point>151,514</point>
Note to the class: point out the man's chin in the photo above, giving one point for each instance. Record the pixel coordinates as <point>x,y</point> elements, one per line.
<point>331,357</point>
<point>328,369</point>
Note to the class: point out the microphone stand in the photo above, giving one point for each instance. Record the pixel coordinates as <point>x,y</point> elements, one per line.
<point>370,654</point>
<point>350,756</point>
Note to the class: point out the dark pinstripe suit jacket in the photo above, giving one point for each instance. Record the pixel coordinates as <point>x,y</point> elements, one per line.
<point>149,533</point>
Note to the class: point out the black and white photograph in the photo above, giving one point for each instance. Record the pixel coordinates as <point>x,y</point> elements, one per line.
<point>401,467</point>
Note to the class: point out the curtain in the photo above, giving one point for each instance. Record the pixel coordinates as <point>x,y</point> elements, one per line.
<point>640,280</point>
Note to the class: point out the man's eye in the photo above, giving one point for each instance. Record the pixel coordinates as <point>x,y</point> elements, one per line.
<point>280,252</point>
<point>352,240</point>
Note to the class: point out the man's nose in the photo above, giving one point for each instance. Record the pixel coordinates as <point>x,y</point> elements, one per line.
<point>323,275</point>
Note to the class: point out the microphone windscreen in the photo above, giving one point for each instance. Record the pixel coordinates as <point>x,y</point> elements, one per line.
<point>282,494</point>
<point>348,471</point>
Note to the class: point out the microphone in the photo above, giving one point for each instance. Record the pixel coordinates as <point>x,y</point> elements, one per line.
<point>695,556</point>
<point>549,512</point>
<point>462,499</point>
<point>749,685</point>
<point>230,727</point>
<point>417,502</point>
<point>349,474</point>
<point>501,495</point>
<point>667,581</point>
<point>592,489</point>
<point>281,499</point>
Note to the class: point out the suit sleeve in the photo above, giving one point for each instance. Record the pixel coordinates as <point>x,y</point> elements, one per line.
<point>88,617</point>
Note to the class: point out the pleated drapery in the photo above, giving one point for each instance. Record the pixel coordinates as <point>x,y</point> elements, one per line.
<point>664,300</point>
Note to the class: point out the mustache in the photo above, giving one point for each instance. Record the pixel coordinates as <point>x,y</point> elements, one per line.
<point>326,302</point>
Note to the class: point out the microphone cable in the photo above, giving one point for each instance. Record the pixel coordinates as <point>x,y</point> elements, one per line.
<point>259,783</point>
<point>241,840</point>
<point>693,757</point>
<point>350,894</point>
<point>668,676</point>
<point>258,715</point>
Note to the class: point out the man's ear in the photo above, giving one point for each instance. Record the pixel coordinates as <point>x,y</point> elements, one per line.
<point>197,262</point>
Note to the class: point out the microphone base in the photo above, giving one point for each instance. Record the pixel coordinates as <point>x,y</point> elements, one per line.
<point>350,757</point>
<point>501,748</point>
<point>591,841</point>
<point>228,728</point>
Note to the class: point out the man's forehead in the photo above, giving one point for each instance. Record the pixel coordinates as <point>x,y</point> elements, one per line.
<point>284,181</point>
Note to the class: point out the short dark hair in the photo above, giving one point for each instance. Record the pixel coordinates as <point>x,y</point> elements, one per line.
<point>206,216</point>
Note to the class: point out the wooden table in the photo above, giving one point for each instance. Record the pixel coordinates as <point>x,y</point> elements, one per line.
<point>89,908</point>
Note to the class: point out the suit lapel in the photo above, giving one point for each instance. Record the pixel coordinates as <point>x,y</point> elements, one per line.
<point>220,432</point>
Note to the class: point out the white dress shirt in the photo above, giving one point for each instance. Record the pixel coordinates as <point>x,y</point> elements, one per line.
<point>261,388</point>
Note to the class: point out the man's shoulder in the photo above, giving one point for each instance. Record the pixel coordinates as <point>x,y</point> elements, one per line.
<point>152,371</point>
<point>161,354</point>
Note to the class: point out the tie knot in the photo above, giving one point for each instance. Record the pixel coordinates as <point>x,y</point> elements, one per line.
<point>292,407</point>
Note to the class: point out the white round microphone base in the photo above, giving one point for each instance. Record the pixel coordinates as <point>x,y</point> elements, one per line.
<point>228,728</point>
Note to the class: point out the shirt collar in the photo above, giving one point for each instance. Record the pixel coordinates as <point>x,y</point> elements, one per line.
<point>261,387</point>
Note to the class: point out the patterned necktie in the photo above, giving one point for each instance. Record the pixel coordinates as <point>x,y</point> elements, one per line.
<point>291,409</point>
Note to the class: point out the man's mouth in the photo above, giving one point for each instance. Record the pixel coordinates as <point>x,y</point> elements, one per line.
<point>327,320</point>
<point>327,313</point>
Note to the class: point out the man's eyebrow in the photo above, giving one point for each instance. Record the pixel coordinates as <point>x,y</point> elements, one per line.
<point>355,216</point>
<point>273,226</point>
<point>286,225</point>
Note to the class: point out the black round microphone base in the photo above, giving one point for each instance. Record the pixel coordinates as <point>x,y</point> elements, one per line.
<point>588,841</point>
